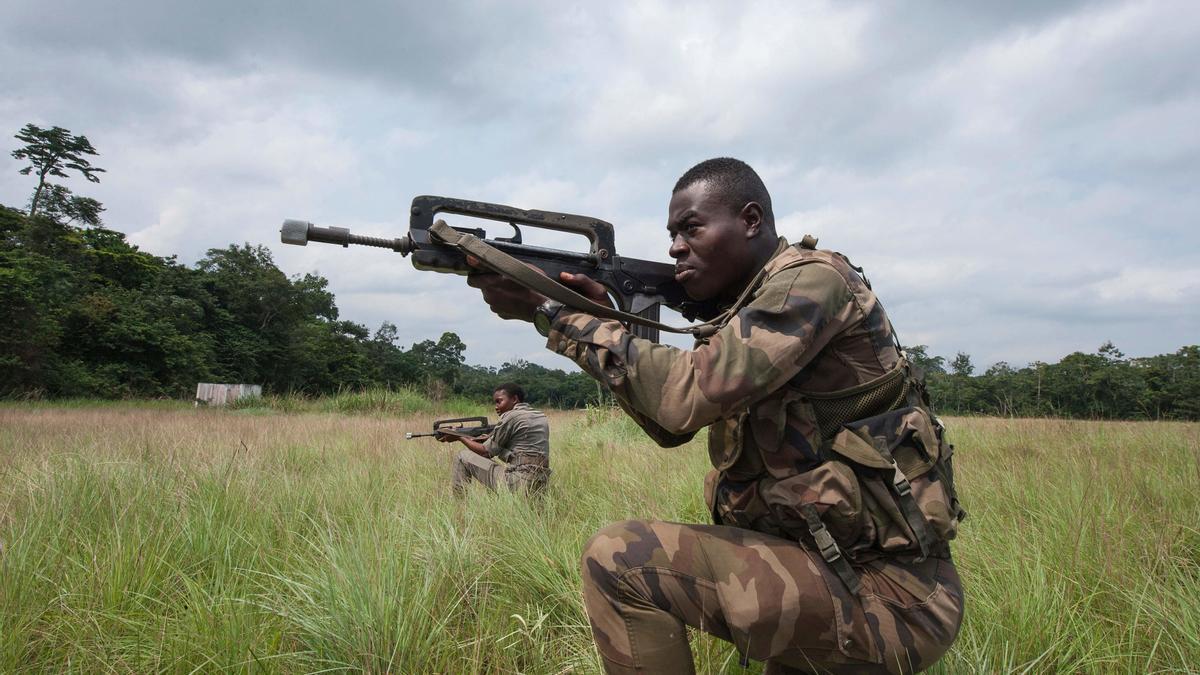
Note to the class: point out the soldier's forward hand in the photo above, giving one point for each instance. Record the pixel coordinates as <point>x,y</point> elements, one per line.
<point>510,300</point>
<point>507,298</point>
<point>587,287</point>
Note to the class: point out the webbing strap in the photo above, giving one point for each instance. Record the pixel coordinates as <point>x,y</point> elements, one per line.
<point>947,469</point>
<point>917,521</point>
<point>912,512</point>
<point>505,265</point>
<point>529,459</point>
<point>829,549</point>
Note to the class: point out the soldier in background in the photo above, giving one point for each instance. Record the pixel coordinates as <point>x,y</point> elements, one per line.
<point>517,452</point>
<point>832,488</point>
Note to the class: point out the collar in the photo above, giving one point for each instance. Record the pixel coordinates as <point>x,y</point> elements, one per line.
<point>520,406</point>
<point>778,260</point>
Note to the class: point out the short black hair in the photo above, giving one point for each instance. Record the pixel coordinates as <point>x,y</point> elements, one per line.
<point>512,389</point>
<point>736,182</point>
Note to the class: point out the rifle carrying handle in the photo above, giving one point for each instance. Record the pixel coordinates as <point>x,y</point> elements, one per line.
<point>505,265</point>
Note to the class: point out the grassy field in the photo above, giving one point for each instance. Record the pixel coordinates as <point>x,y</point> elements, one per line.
<point>167,538</point>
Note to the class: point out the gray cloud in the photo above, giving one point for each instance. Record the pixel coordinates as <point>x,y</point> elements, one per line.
<point>1017,178</point>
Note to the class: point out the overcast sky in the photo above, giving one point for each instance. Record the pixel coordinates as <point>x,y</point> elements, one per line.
<point>1019,179</point>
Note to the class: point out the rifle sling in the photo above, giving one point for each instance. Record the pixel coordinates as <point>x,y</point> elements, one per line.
<point>507,266</point>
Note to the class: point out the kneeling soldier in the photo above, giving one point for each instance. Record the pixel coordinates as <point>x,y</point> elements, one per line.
<point>832,491</point>
<point>520,443</point>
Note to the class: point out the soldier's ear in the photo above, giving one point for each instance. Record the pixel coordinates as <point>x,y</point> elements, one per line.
<point>751,217</point>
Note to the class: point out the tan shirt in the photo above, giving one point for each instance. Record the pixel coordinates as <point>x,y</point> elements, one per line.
<point>521,431</point>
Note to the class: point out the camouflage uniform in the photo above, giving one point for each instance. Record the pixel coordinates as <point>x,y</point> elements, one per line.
<point>521,441</point>
<point>813,326</point>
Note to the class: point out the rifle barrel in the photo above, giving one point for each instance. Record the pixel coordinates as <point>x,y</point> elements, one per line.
<point>300,232</point>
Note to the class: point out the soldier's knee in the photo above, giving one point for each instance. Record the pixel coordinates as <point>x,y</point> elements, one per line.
<point>603,560</point>
<point>464,457</point>
<point>607,548</point>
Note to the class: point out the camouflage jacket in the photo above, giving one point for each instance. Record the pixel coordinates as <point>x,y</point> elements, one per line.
<point>813,326</point>
<point>521,434</point>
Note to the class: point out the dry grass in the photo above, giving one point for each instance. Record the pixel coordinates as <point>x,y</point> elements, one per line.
<point>181,540</point>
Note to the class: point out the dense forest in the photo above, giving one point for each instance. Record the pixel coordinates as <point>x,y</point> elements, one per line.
<point>84,313</point>
<point>1104,385</point>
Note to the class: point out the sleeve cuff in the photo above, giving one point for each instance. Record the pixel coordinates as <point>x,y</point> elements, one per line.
<point>558,342</point>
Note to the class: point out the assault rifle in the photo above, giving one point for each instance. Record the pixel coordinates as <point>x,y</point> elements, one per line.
<point>470,427</point>
<point>639,287</point>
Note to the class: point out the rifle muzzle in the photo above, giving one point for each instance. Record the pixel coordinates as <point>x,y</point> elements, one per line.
<point>300,232</point>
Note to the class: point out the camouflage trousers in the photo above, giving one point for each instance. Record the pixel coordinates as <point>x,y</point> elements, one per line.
<point>644,581</point>
<point>469,467</point>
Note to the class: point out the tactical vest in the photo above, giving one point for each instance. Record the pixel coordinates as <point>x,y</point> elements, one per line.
<point>856,474</point>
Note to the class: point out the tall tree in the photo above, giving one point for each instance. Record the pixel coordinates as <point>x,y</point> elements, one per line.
<point>51,152</point>
<point>961,365</point>
<point>919,356</point>
<point>58,203</point>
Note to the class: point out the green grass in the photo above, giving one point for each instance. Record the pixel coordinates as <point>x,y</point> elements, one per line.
<point>178,539</point>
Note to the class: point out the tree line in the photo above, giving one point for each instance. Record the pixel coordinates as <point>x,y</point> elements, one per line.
<point>84,313</point>
<point>1103,385</point>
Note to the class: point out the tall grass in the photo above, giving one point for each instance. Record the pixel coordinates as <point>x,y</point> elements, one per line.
<point>380,401</point>
<point>199,540</point>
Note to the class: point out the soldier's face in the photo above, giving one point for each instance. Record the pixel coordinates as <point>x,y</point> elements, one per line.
<point>503,401</point>
<point>709,242</point>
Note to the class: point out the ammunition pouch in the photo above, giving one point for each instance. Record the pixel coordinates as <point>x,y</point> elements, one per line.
<point>878,485</point>
<point>885,489</point>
